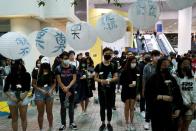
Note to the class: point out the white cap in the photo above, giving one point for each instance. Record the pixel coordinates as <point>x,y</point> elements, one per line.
<point>45,60</point>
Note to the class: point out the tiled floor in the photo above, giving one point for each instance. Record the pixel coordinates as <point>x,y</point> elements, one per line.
<point>87,123</point>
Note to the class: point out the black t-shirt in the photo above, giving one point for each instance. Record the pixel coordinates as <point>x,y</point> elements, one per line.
<point>66,74</point>
<point>42,80</point>
<point>116,61</point>
<point>22,79</point>
<point>104,71</point>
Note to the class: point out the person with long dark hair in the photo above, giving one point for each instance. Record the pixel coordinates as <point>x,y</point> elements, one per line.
<point>35,72</point>
<point>17,86</point>
<point>129,80</point>
<point>164,98</point>
<point>187,85</point>
<point>44,83</point>
<point>84,89</point>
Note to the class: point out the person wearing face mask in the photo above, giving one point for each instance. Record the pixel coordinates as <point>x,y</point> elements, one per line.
<point>164,98</point>
<point>84,86</point>
<point>148,71</point>
<point>145,60</point>
<point>44,83</point>
<point>129,80</point>
<point>17,86</point>
<point>187,85</point>
<point>106,76</point>
<point>66,78</point>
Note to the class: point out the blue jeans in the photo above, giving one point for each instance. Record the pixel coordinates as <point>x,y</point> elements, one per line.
<point>12,103</point>
<point>41,97</point>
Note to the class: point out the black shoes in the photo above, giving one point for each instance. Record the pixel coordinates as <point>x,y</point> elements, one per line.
<point>102,127</point>
<point>62,127</point>
<point>110,128</point>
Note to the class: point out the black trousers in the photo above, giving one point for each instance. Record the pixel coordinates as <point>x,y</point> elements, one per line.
<point>142,103</point>
<point>64,110</point>
<point>161,123</point>
<point>105,99</point>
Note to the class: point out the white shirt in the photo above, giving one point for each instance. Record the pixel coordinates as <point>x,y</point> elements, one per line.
<point>188,90</point>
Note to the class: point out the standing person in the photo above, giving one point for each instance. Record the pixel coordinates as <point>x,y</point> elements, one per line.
<point>188,90</point>
<point>44,83</point>
<point>148,71</point>
<point>163,97</point>
<point>84,88</point>
<point>91,69</point>
<point>72,59</point>
<point>129,80</point>
<point>66,77</point>
<point>56,63</point>
<point>6,72</point>
<point>7,68</point>
<point>79,57</point>
<point>17,86</point>
<point>35,72</point>
<point>145,60</point>
<point>116,61</point>
<point>106,76</point>
<point>123,60</point>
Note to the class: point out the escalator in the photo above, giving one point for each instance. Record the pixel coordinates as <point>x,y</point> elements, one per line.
<point>161,38</point>
<point>140,46</point>
<point>151,43</point>
<point>162,46</point>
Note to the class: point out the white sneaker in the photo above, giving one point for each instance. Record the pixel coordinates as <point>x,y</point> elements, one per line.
<point>132,128</point>
<point>50,129</point>
<point>127,127</point>
<point>146,125</point>
<point>85,113</point>
<point>143,114</point>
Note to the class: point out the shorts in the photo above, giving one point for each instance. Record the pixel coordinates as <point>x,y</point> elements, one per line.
<point>26,101</point>
<point>186,112</point>
<point>39,96</point>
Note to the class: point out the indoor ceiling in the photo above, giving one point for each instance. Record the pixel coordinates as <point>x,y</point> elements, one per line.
<point>170,25</point>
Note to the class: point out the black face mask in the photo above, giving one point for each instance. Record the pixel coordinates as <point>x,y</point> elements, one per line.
<point>165,70</point>
<point>45,66</point>
<point>107,57</point>
<point>186,68</point>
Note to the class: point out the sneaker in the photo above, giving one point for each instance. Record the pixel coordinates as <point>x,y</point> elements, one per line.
<point>147,126</point>
<point>51,129</point>
<point>102,127</point>
<point>85,114</point>
<point>143,114</point>
<point>73,126</point>
<point>110,128</point>
<point>132,128</point>
<point>127,127</point>
<point>62,127</point>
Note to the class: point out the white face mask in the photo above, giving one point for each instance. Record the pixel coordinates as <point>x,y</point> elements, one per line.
<point>66,62</point>
<point>133,65</point>
<point>38,65</point>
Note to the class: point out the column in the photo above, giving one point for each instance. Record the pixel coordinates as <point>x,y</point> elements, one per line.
<point>184,30</point>
<point>27,26</point>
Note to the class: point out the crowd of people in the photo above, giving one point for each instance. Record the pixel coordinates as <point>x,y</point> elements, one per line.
<point>163,85</point>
